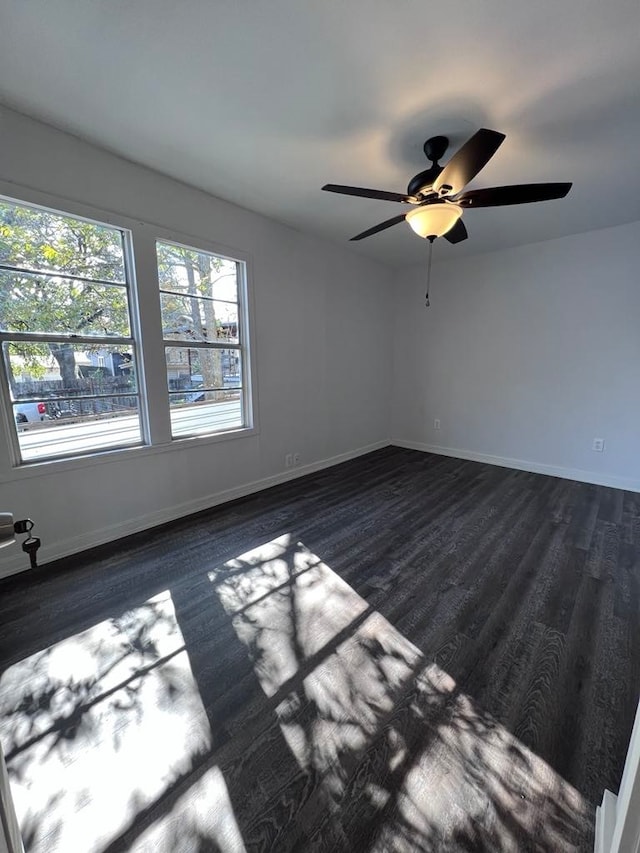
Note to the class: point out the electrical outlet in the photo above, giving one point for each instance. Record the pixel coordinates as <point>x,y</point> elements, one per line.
<point>436,423</point>
<point>296,458</point>
<point>598,445</point>
<point>288,460</point>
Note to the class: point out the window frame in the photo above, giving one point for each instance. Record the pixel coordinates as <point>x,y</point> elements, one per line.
<point>242,346</point>
<point>131,342</point>
<point>144,291</point>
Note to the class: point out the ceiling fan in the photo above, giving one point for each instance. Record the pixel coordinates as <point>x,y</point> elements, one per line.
<point>437,193</point>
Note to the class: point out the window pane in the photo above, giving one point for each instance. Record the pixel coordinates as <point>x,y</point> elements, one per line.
<point>205,390</point>
<point>197,412</point>
<point>199,299</point>
<point>69,426</point>
<point>33,303</point>
<point>189,318</point>
<point>41,240</point>
<point>189,271</point>
<point>196,368</point>
<point>51,369</point>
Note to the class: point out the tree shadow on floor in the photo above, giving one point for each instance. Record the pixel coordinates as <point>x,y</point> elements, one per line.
<point>264,705</point>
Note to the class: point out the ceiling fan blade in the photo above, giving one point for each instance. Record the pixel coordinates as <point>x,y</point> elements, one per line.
<point>457,234</point>
<point>468,160</point>
<point>382,195</point>
<point>516,194</point>
<point>381,227</point>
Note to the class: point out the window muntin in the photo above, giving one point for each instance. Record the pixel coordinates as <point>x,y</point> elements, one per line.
<point>196,319</point>
<point>66,333</point>
<point>202,321</point>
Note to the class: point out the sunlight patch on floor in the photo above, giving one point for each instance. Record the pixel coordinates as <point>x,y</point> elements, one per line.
<point>99,726</point>
<point>202,819</point>
<point>107,727</point>
<point>387,732</point>
<point>257,591</point>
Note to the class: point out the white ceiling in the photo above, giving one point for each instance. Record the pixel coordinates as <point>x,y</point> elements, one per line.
<point>261,102</point>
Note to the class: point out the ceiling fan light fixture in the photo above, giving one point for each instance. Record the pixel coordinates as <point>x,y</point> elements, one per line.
<point>434,220</point>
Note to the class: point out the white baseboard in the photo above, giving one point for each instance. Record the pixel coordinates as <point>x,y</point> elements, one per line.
<point>593,477</point>
<point>83,541</point>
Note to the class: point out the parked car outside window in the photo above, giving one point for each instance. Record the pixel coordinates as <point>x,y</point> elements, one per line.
<point>26,413</point>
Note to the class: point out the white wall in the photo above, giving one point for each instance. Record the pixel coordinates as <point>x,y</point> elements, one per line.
<point>525,356</point>
<point>320,327</point>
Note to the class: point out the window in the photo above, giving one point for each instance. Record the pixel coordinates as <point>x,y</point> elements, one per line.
<point>201,297</point>
<point>66,332</point>
<point>72,374</point>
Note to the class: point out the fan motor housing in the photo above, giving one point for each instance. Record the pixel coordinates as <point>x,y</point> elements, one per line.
<point>423,181</point>
<point>434,149</point>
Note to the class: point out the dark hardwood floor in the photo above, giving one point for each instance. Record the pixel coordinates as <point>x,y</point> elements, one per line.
<point>402,653</point>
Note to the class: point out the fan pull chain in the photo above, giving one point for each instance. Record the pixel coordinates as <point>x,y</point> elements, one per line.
<point>431,239</point>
